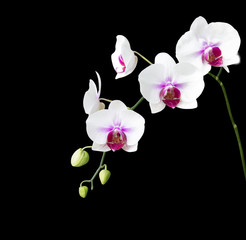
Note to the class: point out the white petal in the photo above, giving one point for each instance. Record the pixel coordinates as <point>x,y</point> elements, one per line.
<point>168,63</point>
<point>189,80</point>
<point>233,60</point>
<point>99,124</point>
<point>122,42</point>
<point>187,105</point>
<point>130,148</point>
<point>199,26</point>
<point>151,80</point>
<point>90,97</point>
<point>205,69</point>
<point>192,90</point>
<point>114,59</point>
<point>132,124</point>
<point>100,147</point>
<point>97,106</point>
<point>128,56</point>
<point>166,59</point>
<point>184,72</point>
<point>131,64</point>
<point>189,49</point>
<point>117,106</point>
<point>99,84</point>
<point>226,36</point>
<point>226,68</point>
<point>157,107</point>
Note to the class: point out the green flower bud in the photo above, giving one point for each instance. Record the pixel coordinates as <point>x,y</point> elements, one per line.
<point>83,190</point>
<point>104,176</point>
<point>79,158</point>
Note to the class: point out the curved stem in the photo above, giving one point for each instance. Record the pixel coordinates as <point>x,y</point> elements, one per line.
<point>95,174</point>
<point>232,119</point>
<point>144,58</point>
<point>138,102</point>
<point>100,166</point>
<point>105,99</point>
<point>86,147</point>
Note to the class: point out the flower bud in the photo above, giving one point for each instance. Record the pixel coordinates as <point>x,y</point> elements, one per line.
<point>83,190</point>
<point>104,176</point>
<point>79,158</point>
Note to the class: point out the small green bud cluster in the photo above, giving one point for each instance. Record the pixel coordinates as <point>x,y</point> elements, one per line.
<point>104,176</point>
<point>79,158</point>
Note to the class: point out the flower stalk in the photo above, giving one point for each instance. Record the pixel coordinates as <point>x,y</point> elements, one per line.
<point>234,125</point>
<point>144,58</point>
<point>137,103</point>
<point>97,171</point>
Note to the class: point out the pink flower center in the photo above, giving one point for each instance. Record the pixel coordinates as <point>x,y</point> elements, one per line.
<point>170,96</point>
<point>213,56</point>
<point>116,139</point>
<point>121,68</point>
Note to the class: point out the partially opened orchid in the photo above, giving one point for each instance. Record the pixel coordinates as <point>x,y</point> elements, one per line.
<point>91,100</point>
<point>205,45</point>
<point>123,59</point>
<point>164,83</point>
<point>167,83</point>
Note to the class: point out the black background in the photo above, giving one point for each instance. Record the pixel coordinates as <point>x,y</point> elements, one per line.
<point>187,163</point>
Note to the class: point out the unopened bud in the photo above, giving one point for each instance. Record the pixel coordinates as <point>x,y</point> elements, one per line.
<point>79,158</point>
<point>83,190</point>
<point>104,176</point>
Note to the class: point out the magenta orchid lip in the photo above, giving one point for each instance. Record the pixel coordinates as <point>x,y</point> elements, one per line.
<point>213,56</point>
<point>171,96</point>
<point>116,139</point>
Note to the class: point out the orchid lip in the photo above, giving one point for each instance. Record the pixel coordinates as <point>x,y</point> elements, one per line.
<point>116,139</point>
<point>213,56</point>
<point>170,95</point>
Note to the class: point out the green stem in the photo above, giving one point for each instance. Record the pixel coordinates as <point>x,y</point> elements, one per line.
<point>100,166</point>
<point>105,99</point>
<point>138,102</point>
<point>86,147</point>
<point>232,119</point>
<point>97,171</point>
<point>144,58</point>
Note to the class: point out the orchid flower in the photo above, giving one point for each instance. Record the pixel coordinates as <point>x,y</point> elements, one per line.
<point>167,83</point>
<point>123,59</point>
<point>205,45</point>
<point>91,100</point>
<point>115,128</point>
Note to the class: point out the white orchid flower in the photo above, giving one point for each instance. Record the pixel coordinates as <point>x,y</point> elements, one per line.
<point>166,83</point>
<point>205,45</point>
<point>115,128</point>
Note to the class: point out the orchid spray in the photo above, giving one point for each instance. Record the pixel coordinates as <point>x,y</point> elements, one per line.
<point>163,83</point>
